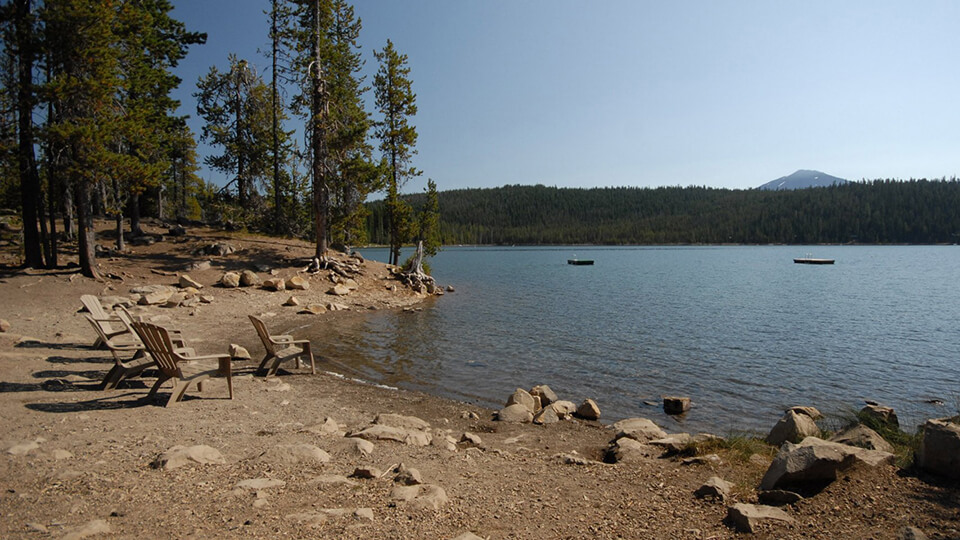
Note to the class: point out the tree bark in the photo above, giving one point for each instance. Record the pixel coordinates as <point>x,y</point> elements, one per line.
<point>135,229</point>
<point>86,237</point>
<point>29,178</point>
<point>321,197</point>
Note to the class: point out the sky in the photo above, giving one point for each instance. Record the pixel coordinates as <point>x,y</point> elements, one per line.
<point>718,93</point>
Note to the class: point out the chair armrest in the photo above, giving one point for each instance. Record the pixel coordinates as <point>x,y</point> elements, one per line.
<point>185,352</point>
<point>281,339</point>
<point>205,357</point>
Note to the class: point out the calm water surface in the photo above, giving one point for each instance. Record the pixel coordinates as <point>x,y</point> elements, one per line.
<point>743,331</point>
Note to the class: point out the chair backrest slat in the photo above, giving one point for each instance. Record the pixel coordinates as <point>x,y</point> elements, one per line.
<point>264,335</point>
<point>156,339</point>
<point>93,305</point>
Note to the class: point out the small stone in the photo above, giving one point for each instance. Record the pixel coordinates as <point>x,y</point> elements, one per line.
<point>546,416</point>
<point>747,517</point>
<point>260,483</point>
<point>563,408</point>
<point>238,352</point>
<point>313,309</point>
<point>640,429</point>
<point>588,410</point>
<point>676,405</point>
<point>471,439</point>
<point>911,533</point>
<point>292,454</point>
<point>367,473</point>
<point>91,528</point>
<point>546,395</point>
<point>187,281</point>
<point>4,325</point>
<point>174,300</point>
<point>522,397</point>
<point>274,284</point>
<point>206,298</point>
<point>292,301</point>
<point>792,427</point>
<point>812,412</point>
<point>450,288</point>
<point>408,477</point>
<point>339,290</point>
<point>155,298</point>
<point>778,497</point>
<point>230,280</point>
<point>179,456</point>
<point>249,278</point>
<point>298,283</point>
<point>714,488</point>
<point>884,415</point>
<point>22,449</point>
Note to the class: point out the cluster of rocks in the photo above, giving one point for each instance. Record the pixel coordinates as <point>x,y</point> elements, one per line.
<point>640,438</point>
<point>186,294</point>
<point>541,405</point>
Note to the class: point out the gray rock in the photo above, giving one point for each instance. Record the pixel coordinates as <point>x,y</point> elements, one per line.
<point>367,473</point>
<point>714,488</point>
<point>156,298</point>
<point>147,289</point>
<point>546,395</point>
<point>379,432</point>
<point>358,446</point>
<point>940,448</point>
<point>422,497</point>
<point>471,439</point>
<point>546,416</point>
<point>563,408</point>
<point>515,413</point>
<point>313,309</point>
<point>588,410</point>
<point>672,444</point>
<point>91,528</point>
<point>230,280</point>
<point>793,427</point>
<point>675,404</point>
<point>778,497</point>
<point>408,476</point>
<point>911,533</point>
<point>274,284</point>
<point>747,517</point>
<point>522,397</point>
<point>639,429</point>
<point>239,352</point>
<point>179,456</point>
<point>812,412</point>
<point>199,266</point>
<point>628,450</point>
<point>817,462</point>
<point>174,300</point>
<point>260,483</point>
<point>339,290</point>
<point>298,283</point>
<point>863,437</point>
<point>23,448</point>
<point>292,454</point>
<point>187,281</point>
<point>292,301</point>
<point>249,278</point>
<point>884,415</point>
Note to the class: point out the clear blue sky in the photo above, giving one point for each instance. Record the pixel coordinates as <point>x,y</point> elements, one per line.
<point>722,93</point>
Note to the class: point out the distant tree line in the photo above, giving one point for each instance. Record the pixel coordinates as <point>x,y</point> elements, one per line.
<point>875,212</point>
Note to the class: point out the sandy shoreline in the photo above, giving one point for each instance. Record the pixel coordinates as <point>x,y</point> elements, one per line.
<point>90,451</point>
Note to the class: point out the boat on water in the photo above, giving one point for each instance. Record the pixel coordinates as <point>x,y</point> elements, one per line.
<point>580,262</point>
<point>812,260</point>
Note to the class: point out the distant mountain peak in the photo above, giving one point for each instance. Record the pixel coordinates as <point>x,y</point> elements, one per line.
<point>804,178</point>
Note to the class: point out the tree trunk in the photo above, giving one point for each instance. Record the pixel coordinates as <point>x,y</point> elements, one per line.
<point>277,211</point>
<point>86,237</point>
<point>318,113</point>
<point>29,178</point>
<point>69,211</point>
<point>135,229</point>
<point>119,217</point>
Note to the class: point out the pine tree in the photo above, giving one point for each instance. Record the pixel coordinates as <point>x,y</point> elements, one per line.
<point>396,102</point>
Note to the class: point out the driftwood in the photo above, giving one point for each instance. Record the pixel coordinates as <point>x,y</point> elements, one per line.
<point>341,268</point>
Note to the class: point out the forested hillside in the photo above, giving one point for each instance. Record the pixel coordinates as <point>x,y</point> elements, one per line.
<point>882,211</point>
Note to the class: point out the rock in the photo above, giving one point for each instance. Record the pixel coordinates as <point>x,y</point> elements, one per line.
<point>147,289</point>
<point>358,446</point>
<point>206,298</point>
<point>546,395</point>
<point>408,476</point>
<point>673,444</point>
<point>885,415</point>
<point>563,408</point>
<point>468,536</point>
<point>778,497</point>
<point>91,528</point>
<point>379,432</point>
<point>709,459</point>
<point>793,427</point>
<point>238,352</point>
<point>639,429</point>
<point>179,456</point>
<point>714,488</point>
<point>522,397</point>
<point>292,454</point>
<point>401,421</point>
<point>863,437</point>
<point>219,249</point>
<point>367,473</point>
<point>177,230</point>
<point>588,410</point>
<point>911,533</point>
<point>339,290</point>
<point>575,459</point>
<point>676,405</point>
<point>274,284</point>
<point>298,283</point>
<point>630,450</point>
<point>546,416</point>
<point>4,325</point>
<point>350,284</point>
<point>450,288</point>
<point>60,453</point>
<point>471,439</point>
<point>332,479</point>
<point>174,300</point>
<point>187,281</point>
<point>292,301</point>
<point>333,306</point>
<point>249,278</point>
<point>313,309</point>
<point>111,302</point>
<point>424,497</point>
<point>815,462</point>
<point>260,483</point>
<point>329,426</point>
<point>230,280</point>
<point>199,266</point>
<point>156,298</point>
<point>812,412</point>
<point>515,413</point>
<point>747,517</point>
<point>939,451</point>
<point>23,448</point>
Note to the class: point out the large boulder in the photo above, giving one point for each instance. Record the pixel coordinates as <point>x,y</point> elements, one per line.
<point>630,450</point>
<point>546,395</point>
<point>676,405</point>
<point>249,278</point>
<point>940,448</point>
<point>230,280</point>
<point>515,413</point>
<point>863,437</point>
<point>884,415</point>
<point>522,397</point>
<point>815,463</point>
<point>715,488</point>
<point>792,427</point>
<point>588,410</point>
<point>639,429</point>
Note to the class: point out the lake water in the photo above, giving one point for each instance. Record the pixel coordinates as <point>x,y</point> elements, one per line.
<point>742,330</point>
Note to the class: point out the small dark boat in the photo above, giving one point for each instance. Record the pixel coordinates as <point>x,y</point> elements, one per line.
<point>580,262</point>
<point>811,260</point>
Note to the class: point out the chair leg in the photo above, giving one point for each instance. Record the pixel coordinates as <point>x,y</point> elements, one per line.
<point>274,366</point>
<point>111,380</point>
<point>156,386</point>
<point>230,385</point>
<point>313,365</point>
<point>179,389</point>
<point>264,361</point>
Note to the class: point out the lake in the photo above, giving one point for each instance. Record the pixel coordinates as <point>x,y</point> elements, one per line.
<point>742,330</point>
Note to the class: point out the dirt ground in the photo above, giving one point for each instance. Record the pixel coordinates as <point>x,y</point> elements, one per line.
<point>77,461</point>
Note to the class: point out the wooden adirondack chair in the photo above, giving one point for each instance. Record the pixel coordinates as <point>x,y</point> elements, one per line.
<point>127,319</point>
<point>123,343</point>
<point>102,318</point>
<point>281,348</point>
<point>182,366</point>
